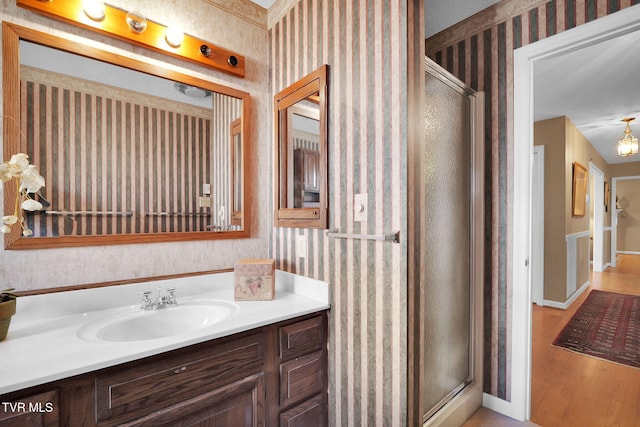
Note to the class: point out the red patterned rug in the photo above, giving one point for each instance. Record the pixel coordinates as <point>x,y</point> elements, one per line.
<point>607,325</point>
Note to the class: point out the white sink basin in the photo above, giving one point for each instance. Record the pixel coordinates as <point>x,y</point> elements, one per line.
<point>133,324</point>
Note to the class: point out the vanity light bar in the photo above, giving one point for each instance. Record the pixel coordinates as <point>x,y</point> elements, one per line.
<point>114,24</point>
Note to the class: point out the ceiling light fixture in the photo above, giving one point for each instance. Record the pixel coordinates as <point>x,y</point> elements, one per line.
<point>192,91</point>
<point>134,27</point>
<point>628,144</point>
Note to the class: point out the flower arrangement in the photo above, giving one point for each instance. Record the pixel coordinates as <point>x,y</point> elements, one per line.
<point>28,181</point>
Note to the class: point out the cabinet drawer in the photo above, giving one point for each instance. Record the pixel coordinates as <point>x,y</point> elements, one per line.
<point>301,378</point>
<point>310,413</point>
<point>155,383</point>
<point>301,338</point>
<point>239,404</point>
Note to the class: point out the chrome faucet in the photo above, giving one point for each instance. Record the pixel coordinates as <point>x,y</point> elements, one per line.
<point>162,301</point>
<point>146,303</point>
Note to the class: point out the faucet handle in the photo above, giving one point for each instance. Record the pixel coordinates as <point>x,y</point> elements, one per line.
<point>146,301</point>
<point>171,299</point>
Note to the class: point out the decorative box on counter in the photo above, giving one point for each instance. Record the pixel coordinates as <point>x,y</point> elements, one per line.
<point>255,279</point>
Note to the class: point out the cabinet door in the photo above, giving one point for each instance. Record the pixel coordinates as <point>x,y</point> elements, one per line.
<point>310,413</point>
<point>310,159</point>
<point>301,378</point>
<point>240,404</point>
<point>38,410</point>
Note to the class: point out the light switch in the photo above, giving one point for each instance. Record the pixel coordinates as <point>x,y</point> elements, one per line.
<point>360,207</point>
<point>301,246</point>
<point>206,189</point>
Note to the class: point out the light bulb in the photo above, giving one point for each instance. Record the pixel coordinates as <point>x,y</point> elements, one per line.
<point>136,22</point>
<point>173,36</point>
<point>94,9</point>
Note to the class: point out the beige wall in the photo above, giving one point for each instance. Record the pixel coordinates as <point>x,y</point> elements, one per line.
<point>564,145</point>
<point>37,269</point>
<point>550,134</point>
<point>628,192</point>
<point>625,169</point>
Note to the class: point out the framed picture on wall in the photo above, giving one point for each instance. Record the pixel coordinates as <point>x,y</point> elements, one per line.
<point>579,195</point>
<point>607,196</point>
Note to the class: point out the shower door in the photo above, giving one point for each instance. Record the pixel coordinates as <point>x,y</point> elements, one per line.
<point>446,222</point>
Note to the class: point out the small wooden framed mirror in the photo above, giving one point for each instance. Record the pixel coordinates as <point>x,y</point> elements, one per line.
<point>300,161</point>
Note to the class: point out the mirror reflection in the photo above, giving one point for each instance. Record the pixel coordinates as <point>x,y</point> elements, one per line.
<point>301,195</point>
<point>125,152</point>
<point>304,154</point>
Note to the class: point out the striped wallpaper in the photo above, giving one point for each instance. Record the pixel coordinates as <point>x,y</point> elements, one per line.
<point>483,58</point>
<point>364,44</point>
<point>135,166</point>
<point>225,110</point>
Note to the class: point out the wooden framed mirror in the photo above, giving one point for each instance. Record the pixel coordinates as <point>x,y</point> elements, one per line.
<point>300,159</point>
<point>131,152</point>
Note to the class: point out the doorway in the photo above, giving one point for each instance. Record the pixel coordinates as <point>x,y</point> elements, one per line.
<point>606,28</point>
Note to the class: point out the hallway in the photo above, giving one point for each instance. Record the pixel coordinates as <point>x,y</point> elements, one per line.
<point>569,389</point>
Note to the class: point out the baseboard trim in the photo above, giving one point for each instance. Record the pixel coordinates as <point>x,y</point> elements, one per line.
<point>565,305</point>
<point>500,406</point>
<point>628,252</point>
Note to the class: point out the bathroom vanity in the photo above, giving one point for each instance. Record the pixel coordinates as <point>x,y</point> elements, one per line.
<point>263,364</point>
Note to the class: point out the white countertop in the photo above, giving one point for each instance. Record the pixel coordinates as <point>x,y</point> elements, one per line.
<point>43,343</point>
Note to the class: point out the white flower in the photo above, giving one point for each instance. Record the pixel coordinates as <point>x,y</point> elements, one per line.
<point>31,179</point>
<point>6,172</point>
<point>28,180</point>
<point>31,205</point>
<point>9,219</point>
<point>20,160</point>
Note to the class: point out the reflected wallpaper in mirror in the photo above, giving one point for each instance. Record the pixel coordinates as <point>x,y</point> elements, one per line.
<point>125,152</point>
<point>304,155</point>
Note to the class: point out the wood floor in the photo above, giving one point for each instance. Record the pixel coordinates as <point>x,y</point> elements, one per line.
<point>573,390</point>
<point>570,389</point>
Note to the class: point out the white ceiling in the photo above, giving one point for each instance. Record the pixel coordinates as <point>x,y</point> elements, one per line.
<point>595,87</point>
<point>264,3</point>
<point>441,14</point>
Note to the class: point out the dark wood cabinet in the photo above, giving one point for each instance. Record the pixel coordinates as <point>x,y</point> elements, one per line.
<point>273,375</point>
<point>36,410</point>
<point>303,373</point>
<point>305,177</point>
<point>310,413</point>
<point>238,404</point>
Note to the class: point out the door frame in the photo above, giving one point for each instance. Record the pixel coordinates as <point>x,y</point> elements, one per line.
<point>614,215</point>
<point>598,217</point>
<point>607,27</point>
<point>537,224</point>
